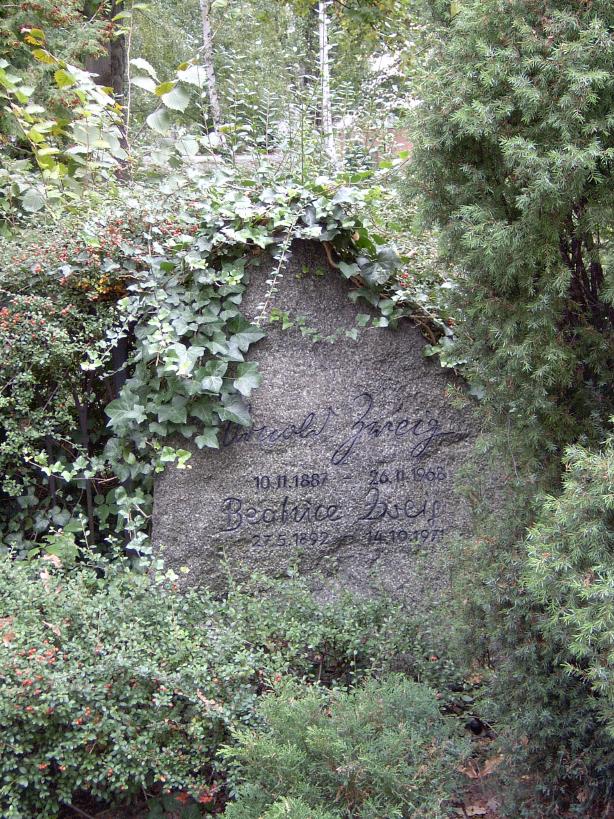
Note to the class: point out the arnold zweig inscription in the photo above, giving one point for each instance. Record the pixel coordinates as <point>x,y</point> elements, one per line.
<point>302,521</point>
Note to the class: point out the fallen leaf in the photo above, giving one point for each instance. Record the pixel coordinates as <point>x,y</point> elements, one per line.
<point>491,764</point>
<point>470,770</point>
<point>45,577</point>
<point>473,771</point>
<point>476,810</point>
<point>212,704</point>
<point>7,636</point>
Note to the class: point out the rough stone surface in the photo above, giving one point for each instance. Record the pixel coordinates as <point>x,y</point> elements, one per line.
<point>347,472</point>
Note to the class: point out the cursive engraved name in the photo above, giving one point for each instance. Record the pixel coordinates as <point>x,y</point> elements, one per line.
<point>312,425</point>
<point>421,431</point>
<point>282,513</point>
<point>378,508</point>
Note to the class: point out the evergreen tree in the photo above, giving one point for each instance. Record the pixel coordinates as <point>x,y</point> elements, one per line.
<point>514,145</point>
<point>513,151</point>
<point>571,570</point>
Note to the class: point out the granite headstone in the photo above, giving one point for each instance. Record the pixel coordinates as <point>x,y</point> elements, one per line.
<point>346,475</point>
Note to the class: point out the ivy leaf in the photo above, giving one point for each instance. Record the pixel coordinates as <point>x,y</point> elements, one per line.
<point>202,409</point>
<point>208,439</point>
<point>167,455</point>
<point>211,375</point>
<point>124,411</point>
<point>175,412</point>
<point>235,410</point>
<point>388,257</point>
<point>181,360</point>
<point>364,240</point>
<point>158,429</point>
<point>349,270</point>
<point>248,378</point>
<point>375,274</point>
<point>218,346</point>
<point>246,335</point>
<point>310,217</point>
<point>343,196</point>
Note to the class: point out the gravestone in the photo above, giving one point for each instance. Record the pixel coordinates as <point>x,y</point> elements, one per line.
<point>346,475</point>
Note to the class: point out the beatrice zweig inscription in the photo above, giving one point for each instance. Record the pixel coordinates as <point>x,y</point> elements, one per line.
<point>346,474</point>
<point>292,500</point>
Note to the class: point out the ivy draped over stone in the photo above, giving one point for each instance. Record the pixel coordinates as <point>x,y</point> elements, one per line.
<point>173,286</point>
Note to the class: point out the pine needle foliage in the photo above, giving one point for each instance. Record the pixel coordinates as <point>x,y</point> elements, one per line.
<point>381,750</point>
<point>512,160</point>
<point>514,145</point>
<point>571,568</point>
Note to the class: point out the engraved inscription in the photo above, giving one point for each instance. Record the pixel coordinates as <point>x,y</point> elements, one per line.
<point>282,513</point>
<point>349,431</point>
<point>302,481</point>
<point>386,504</point>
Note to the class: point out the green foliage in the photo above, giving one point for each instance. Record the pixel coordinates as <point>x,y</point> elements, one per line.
<point>289,808</point>
<point>570,570</point>
<point>53,149</point>
<point>513,157</point>
<point>146,311</point>
<point>45,331</point>
<point>550,724</point>
<point>72,36</point>
<point>512,160</point>
<point>379,750</point>
<point>111,681</point>
<point>266,67</point>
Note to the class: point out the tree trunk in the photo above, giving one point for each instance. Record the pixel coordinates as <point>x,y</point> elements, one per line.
<point>111,67</point>
<point>111,70</point>
<point>328,135</point>
<point>214,102</point>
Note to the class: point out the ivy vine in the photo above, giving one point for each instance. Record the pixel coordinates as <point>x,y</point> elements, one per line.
<point>175,299</point>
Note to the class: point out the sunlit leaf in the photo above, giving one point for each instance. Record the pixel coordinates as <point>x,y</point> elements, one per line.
<point>248,378</point>
<point>159,121</point>
<point>178,99</point>
<point>139,62</point>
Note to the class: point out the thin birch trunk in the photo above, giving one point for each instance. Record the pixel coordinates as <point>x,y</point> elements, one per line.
<point>216,113</point>
<point>328,135</point>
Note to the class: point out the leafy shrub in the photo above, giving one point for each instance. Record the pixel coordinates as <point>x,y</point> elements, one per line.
<point>111,681</point>
<point>508,158</point>
<point>380,750</point>
<point>558,755</point>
